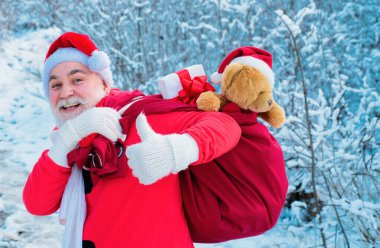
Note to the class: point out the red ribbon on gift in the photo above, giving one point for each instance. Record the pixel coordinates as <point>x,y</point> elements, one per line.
<point>192,88</point>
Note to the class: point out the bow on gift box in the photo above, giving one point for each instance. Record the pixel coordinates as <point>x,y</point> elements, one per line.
<point>185,85</point>
<point>192,88</point>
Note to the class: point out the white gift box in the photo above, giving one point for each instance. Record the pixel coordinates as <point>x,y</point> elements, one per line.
<point>170,85</point>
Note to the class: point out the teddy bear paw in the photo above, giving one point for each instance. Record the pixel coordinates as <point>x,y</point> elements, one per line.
<point>209,101</point>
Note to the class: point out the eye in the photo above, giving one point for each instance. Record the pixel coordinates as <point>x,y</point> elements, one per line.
<point>77,80</point>
<point>55,85</point>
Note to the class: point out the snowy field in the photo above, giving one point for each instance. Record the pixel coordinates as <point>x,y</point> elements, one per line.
<point>25,124</point>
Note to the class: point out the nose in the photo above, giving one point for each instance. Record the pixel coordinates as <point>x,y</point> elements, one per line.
<point>66,91</point>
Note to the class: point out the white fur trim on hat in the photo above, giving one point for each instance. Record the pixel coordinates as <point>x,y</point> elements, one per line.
<point>216,78</point>
<point>258,64</point>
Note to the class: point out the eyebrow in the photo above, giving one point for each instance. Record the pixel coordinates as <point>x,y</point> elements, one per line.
<point>76,71</point>
<point>72,72</point>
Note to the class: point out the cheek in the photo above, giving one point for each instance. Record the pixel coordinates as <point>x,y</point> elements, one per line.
<point>92,93</point>
<point>88,86</point>
<point>84,90</point>
<point>53,98</point>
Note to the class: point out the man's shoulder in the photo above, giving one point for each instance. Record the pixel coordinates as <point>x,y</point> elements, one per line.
<point>118,98</point>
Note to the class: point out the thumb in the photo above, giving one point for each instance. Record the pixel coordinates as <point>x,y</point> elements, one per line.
<point>143,127</point>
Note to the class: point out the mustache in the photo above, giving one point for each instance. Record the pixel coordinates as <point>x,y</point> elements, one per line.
<point>71,101</point>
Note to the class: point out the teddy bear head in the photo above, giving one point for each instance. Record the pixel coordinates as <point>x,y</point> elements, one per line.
<point>248,87</point>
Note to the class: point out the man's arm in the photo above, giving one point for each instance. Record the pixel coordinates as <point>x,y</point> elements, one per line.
<point>189,138</point>
<point>46,183</point>
<point>215,134</point>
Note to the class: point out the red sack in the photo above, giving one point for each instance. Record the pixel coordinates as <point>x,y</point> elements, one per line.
<point>238,194</point>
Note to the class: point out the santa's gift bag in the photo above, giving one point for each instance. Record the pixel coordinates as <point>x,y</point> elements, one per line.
<point>241,193</point>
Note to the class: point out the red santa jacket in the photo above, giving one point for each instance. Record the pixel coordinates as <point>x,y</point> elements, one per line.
<point>121,212</point>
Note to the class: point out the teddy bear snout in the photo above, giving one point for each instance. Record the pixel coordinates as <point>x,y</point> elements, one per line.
<point>270,102</point>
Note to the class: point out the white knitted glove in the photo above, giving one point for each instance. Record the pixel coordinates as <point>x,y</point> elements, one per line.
<point>159,155</point>
<point>104,121</point>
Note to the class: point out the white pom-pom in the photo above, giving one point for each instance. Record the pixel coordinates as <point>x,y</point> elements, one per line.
<point>216,78</point>
<point>98,61</point>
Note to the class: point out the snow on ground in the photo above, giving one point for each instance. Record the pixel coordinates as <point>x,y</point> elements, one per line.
<point>25,124</point>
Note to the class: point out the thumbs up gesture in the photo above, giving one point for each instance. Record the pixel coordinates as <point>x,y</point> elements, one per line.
<point>159,155</point>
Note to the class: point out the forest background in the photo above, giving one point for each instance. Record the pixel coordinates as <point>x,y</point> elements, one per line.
<point>327,71</point>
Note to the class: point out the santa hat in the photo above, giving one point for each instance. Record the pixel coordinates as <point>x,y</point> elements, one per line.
<point>248,55</point>
<point>76,47</point>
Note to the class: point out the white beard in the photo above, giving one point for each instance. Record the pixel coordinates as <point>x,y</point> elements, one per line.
<point>84,105</point>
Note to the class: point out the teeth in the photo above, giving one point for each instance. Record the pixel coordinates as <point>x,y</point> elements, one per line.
<point>71,105</point>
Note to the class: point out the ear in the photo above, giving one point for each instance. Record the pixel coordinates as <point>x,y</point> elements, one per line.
<point>275,116</point>
<point>229,74</point>
<point>106,87</point>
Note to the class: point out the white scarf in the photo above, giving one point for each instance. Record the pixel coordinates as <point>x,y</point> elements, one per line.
<point>72,213</point>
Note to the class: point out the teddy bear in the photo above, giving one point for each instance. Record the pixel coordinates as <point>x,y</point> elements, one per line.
<point>246,79</point>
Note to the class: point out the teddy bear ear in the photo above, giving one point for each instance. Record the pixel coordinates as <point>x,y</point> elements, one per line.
<point>216,78</point>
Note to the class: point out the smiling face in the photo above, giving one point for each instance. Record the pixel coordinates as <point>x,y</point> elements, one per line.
<point>74,88</point>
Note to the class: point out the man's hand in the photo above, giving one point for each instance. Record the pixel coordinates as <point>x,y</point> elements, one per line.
<point>104,121</point>
<point>159,155</point>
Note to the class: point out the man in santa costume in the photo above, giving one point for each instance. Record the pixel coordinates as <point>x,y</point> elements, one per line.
<point>142,206</point>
